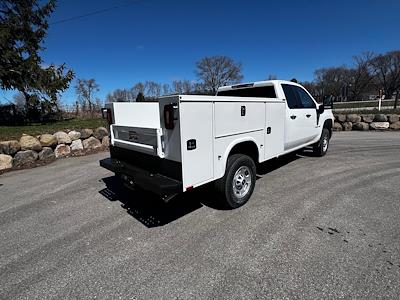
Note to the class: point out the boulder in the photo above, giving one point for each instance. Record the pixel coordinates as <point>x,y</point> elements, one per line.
<point>91,143</point>
<point>28,142</point>
<point>100,132</point>
<point>347,126</point>
<point>24,157</point>
<point>367,118</point>
<point>337,126</point>
<point>353,118</point>
<point>76,145</point>
<point>5,161</point>
<point>105,142</point>
<point>393,118</point>
<point>380,118</point>
<point>10,147</point>
<point>62,137</point>
<point>48,140</point>
<point>341,118</point>
<point>46,154</point>
<point>361,126</point>
<point>74,135</point>
<point>395,126</point>
<point>86,133</point>
<point>62,150</point>
<point>379,125</point>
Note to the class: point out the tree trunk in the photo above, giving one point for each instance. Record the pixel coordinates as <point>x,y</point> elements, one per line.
<point>396,99</point>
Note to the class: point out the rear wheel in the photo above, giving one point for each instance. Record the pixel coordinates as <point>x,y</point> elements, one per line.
<point>237,185</point>
<point>322,146</point>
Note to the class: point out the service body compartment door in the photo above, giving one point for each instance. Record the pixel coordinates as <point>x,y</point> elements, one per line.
<point>238,117</point>
<point>196,119</point>
<point>275,129</point>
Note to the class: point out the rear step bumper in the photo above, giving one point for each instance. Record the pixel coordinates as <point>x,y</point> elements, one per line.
<point>163,186</point>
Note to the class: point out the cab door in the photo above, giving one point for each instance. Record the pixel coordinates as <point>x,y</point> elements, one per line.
<point>308,114</point>
<point>294,121</point>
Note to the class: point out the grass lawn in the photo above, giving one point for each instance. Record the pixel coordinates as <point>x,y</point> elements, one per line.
<point>15,132</point>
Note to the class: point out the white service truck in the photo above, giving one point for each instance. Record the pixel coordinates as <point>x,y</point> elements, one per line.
<point>184,141</point>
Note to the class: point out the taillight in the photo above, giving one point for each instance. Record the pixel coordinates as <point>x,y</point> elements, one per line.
<point>169,116</point>
<point>107,114</point>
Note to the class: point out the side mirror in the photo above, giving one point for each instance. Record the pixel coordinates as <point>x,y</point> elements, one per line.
<point>328,101</point>
<point>321,109</point>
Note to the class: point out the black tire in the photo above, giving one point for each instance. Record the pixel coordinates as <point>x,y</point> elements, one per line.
<point>237,164</point>
<point>322,146</point>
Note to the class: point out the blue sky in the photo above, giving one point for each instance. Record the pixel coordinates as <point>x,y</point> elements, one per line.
<point>161,40</point>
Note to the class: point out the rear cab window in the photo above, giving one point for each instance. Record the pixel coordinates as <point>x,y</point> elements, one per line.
<point>256,92</point>
<point>296,97</point>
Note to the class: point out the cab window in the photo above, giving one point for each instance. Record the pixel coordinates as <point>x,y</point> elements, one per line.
<point>292,99</point>
<point>305,99</point>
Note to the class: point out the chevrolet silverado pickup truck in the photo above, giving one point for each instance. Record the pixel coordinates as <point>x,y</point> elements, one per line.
<point>184,141</point>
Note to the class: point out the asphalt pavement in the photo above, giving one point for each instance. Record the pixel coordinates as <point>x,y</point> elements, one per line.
<point>314,228</point>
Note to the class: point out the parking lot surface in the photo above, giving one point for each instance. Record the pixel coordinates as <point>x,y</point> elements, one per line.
<point>314,228</point>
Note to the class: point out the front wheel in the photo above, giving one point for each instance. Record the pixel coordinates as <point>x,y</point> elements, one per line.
<point>321,147</point>
<point>239,180</point>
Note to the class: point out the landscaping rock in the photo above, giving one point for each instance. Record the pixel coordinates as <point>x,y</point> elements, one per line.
<point>62,150</point>
<point>62,137</point>
<point>395,126</point>
<point>76,145</point>
<point>100,132</point>
<point>86,133</point>
<point>337,126</point>
<point>393,118</point>
<point>28,142</point>
<point>367,118</point>
<point>361,126</point>
<point>24,157</point>
<point>379,125</point>
<point>46,154</point>
<point>353,118</point>
<point>380,118</point>
<point>74,135</point>
<point>347,126</point>
<point>5,161</point>
<point>48,140</point>
<point>91,143</point>
<point>341,118</point>
<point>10,147</point>
<point>105,142</point>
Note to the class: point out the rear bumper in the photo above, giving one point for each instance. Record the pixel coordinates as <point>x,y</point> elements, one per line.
<point>164,187</point>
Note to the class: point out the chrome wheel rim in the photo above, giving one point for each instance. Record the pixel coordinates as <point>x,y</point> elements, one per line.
<point>325,144</point>
<point>241,182</point>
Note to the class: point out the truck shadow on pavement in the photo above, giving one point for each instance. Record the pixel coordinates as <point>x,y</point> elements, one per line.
<point>153,212</point>
<point>150,210</point>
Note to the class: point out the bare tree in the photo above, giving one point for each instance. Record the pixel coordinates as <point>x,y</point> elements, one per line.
<point>138,88</point>
<point>120,95</point>
<point>271,77</point>
<point>216,71</point>
<point>360,76</point>
<point>152,89</point>
<point>386,70</point>
<point>182,87</point>
<point>332,81</point>
<point>86,90</point>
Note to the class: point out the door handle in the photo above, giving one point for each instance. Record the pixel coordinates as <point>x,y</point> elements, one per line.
<point>308,115</point>
<point>293,117</point>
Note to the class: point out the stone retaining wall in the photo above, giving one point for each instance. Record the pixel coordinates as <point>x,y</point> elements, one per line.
<point>29,149</point>
<point>366,122</point>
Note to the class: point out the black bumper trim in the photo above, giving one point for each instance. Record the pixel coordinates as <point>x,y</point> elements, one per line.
<point>161,185</point>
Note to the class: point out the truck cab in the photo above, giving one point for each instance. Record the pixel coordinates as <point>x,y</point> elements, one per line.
<point>184,141</point>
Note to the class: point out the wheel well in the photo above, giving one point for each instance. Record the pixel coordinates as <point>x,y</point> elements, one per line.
<point>248,148</point>
<point>328,124</point>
